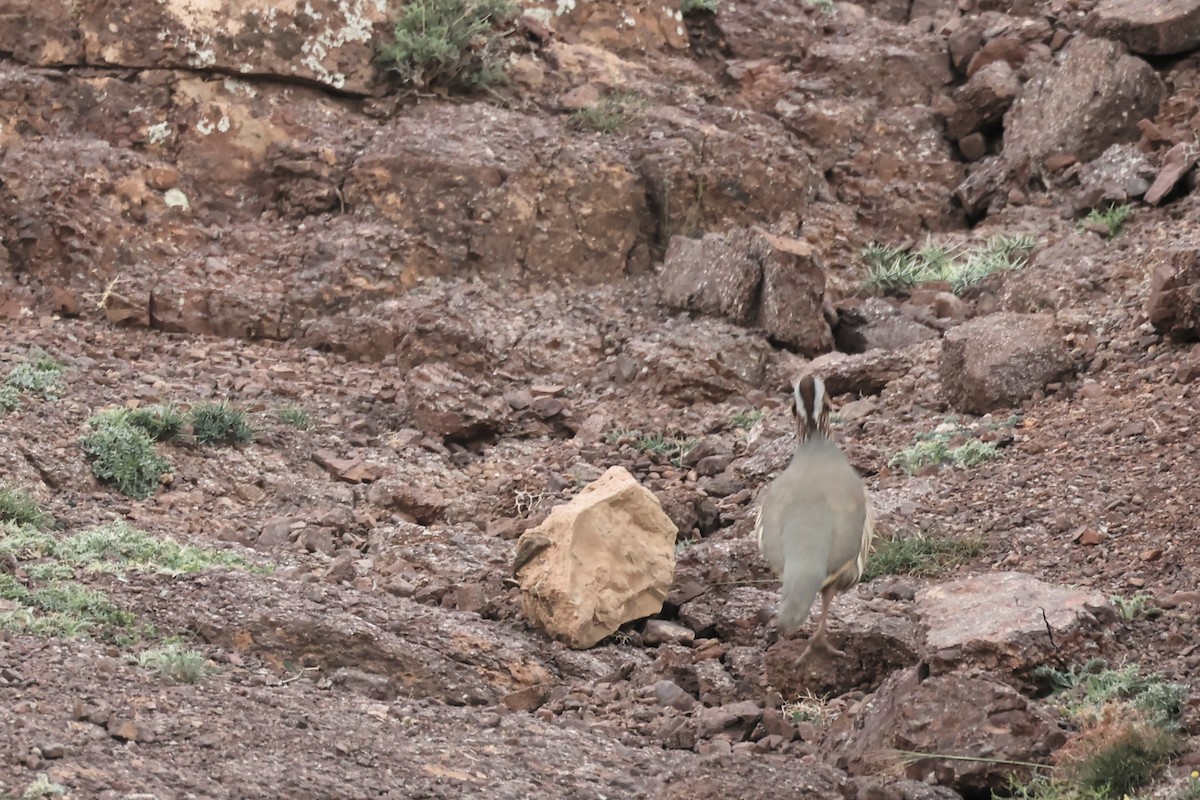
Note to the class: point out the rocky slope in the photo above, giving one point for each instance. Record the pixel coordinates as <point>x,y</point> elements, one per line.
<point>483,304</point>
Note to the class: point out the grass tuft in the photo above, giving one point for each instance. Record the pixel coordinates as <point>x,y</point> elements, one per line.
<point>40,375</point>
<point>175,661</point>
<point>612,113</point>
<point>219,423</point>
<point>18,507</point>
<point>1113,218</point>
<point>890,269</point>
<point>920,555</point>
<point>745,420</point>
<point>295,416</point>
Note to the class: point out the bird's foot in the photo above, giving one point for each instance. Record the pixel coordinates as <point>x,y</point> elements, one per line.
<point>820,643</point>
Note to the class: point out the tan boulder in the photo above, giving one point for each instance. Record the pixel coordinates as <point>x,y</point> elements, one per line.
<point>605,558</point>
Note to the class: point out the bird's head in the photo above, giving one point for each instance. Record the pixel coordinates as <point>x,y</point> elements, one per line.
<point>811,407</point>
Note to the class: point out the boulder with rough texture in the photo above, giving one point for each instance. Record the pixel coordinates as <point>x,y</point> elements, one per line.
<point>1000,360</point>
<point>1009,622</point>
<point>874,324</point>
<point>605,558</point>
<point>448,405</point>
<point>1151,27</point>
<point>982,100</point>
<point>958,713</point>
<point>328,41</point>
<point>717,274</point>
<point>1093,99</point>
<point>1174,304</point>
<point>861,373</point>
<point>793,295</point>
<point>1122,173</point>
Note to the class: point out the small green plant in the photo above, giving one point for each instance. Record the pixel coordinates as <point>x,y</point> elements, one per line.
<point>687,7</point>
<point>745,420</point>
<point>219,423</point>
<point>1191,789</point>
<point>40,375</point>
<point>162,422</point>
<point>1113,218</point>
<point>10,398</point>
<point>822,5</point>
<point>295,416</point>
<point>684,544</point>
<point>920,555</point>
<point>673,448</point>
<point>60,608</point>
<point>1085,691</point>
<point>890,269</point>
<point>18,507</point>
<point>611,113</point>
<point>1131,608</point>
<point>123,455</point>
<point>118,546</point>
<point>933,449</point>
<point>448,43</point>
<point>175,661</point>
<point>42,786</point>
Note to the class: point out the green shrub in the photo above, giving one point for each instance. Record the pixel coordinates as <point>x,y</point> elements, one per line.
<point>699,6</point>
<point>219,423</point>
<point>124,456</point>
<point>448,43</point>
<point>18,507</point>
<point>10,398</point>
<point>41,375</point>
<point>161,422</point>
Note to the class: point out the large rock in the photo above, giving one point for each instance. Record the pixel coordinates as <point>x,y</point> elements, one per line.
<point>1093,99</point>
<point>982,101</point>
<point>874,323</point>
<point>328,41</point>
<point>717,274</point>
<point>1174,304</point>
<point>722,274</point>
<point>859,374</point>
<point>605,558</point>
<point>689,361</point>
<point>1009,622</point>
<point>1151,27</point>
<point>958,713</point>
<point>478,184</point>
<point>1000,360</point>
<point>448,405</point>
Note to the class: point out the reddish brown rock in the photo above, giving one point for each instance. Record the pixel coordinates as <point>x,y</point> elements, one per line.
<point>1177,162</point>
<point>983,99</point>
<point>1000,360</point>
<point>1151,27</point>
<point>717,274</point>
<point>959,712</point>
<point>793,295</point>
<point>327,41</point>
<point>1091,100</point>
<point>1174,304</point>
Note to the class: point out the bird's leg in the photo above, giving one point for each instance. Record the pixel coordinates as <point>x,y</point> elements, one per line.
<point>819,639</point>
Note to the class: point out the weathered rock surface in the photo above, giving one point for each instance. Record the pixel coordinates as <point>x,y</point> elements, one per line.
<point>859,373</point>
<point>954,713</point>
<point>1174,304</point>
<point>874,323</point>
<point>718,274</point>
<point>982,100</point>
<point>1000,360</point>
<point>1150,27</point>
<point>1090,100</point>
<point>1009,622</point>
<point>605,558</point>
<point>449,405</point>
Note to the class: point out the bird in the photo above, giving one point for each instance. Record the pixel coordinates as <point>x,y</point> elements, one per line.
<point>815,524</point>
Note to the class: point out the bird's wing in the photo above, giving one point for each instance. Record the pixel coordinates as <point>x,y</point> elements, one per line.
<point>807,531</point>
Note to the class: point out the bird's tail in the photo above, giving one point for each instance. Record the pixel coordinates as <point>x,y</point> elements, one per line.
<point>804,566</point>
